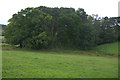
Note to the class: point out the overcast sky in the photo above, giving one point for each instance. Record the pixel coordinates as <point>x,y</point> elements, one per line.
<point>101,7</point>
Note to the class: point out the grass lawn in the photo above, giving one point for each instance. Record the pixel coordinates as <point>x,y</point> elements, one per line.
<point>45,64</point>
<point>110,48</point>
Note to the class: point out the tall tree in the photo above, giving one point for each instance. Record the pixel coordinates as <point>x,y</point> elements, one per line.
<point>29,28</point>
<point>81,13</point>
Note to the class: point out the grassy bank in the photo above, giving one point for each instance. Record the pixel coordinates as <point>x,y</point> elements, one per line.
<point>109,49</point>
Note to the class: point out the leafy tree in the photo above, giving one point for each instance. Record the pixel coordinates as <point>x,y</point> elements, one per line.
<point>55,13</point>
<point>117,27</point>
<point>81,13</point>
<point>87,37</point>
<point>45,27</point>
<point>29,28</point>
<point>107,31</point>
<point>68,25</point>
<point>73,33</point>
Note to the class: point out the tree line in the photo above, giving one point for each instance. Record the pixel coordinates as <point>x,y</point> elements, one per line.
<point>46,27</point>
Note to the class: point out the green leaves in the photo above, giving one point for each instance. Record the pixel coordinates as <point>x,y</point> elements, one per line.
<point>29,28</point>
<point>45,27</point>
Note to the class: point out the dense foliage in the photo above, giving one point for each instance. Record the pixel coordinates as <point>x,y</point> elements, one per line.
<point>44,27</point>
<point>29,28</point>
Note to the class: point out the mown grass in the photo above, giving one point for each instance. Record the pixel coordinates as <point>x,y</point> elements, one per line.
<point>44,64</point>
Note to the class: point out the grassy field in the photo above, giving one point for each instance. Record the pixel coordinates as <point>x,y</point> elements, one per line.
<point>23,63</point>
<point>40,64</point>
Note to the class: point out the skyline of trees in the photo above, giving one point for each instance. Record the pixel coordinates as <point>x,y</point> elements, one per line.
<point>45,27</point>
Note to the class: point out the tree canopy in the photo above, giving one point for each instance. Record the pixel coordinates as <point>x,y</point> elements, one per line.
<point>29,28</point>
<point>45,27</point>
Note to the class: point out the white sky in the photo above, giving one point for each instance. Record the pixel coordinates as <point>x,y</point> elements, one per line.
<point>101,7</point>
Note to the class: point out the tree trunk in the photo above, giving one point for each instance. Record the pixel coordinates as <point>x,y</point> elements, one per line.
<point>21,45</point>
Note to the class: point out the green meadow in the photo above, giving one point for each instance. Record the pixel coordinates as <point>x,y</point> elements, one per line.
<point>24,63</point>
<point>59,42</point>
